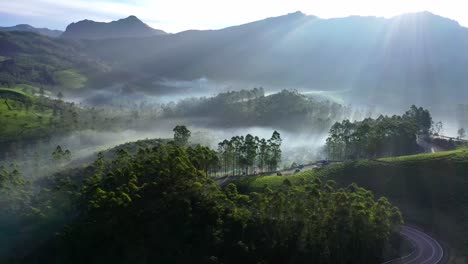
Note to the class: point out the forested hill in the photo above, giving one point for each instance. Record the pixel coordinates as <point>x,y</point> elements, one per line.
<point>286,109</point>
<point>26,57</point>
<point>158,206</point>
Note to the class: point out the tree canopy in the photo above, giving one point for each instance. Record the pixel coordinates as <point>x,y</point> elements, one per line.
<point>384,136</point>
<point>157,206</point>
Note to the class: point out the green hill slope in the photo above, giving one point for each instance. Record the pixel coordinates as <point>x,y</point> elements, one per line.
<point>29,58</point>
<point>430,189</point>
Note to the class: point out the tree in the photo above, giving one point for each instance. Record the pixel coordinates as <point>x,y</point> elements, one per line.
<point>421,117</point>
<point>181,135</point>
<point>250,151</point>
<point>384,136</point>
<point>263,151</point>
<point>67,155</point>
<point>275,150</point>
<point>58,153</point>
<point>461,133</point>
<point>203,158</point>
<point>60,96</point>
<point>438,127</point>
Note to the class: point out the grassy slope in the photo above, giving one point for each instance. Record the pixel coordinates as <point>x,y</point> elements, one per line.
<point>70,79</point>
<point>21,123</point>
<point>16,90</point>
<point>430,189</point>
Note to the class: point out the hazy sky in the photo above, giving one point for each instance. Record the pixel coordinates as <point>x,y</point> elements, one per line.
<point>178,15</point>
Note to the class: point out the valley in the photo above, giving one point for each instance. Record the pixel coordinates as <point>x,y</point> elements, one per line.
<point>291,139</point>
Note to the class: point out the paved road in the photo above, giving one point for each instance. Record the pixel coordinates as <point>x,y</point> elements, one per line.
<point>427,249</point>
<point>223,181</point>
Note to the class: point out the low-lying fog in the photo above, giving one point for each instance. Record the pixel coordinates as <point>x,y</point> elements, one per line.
<point>84,145</point>
<point>299,147</point>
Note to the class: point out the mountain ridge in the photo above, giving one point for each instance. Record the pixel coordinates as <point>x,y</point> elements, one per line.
<point>28,28</point>
<point>130,27</point>
<point>417,58</point>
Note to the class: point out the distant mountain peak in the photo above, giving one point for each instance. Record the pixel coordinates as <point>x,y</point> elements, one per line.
<point>297,13</point>
<point>427,16</point>
<point>132,17</point>
<point>129,27</point>
<point>29,28</point>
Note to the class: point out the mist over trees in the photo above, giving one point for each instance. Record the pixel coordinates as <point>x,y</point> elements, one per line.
<point>157,200</point>
<point>156,206</point>
<point>181,135</point>
<point>250,154</point>
<point>287,109</point>
<point>381,137</point>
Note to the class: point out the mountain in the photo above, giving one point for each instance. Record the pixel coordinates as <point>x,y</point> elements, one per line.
<point>29,58</point>
<point>130,27</point>
<point>28,28</point>
<point>415,58</point>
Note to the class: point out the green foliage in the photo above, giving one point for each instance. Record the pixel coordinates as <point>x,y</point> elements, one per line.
<point>203,158</point>
<point>430,189</point>
<point>59,155</point>
<point>381,137</point>
<point>286,109</point>
<point>240,154</point>
<point>157,206</point>
<point>24,116</point>
<point>33,59</point>
<point>14,193</point>
<point>70,79</point>
<point>181,135</point>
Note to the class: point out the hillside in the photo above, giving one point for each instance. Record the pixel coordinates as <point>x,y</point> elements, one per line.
<point>158,206</point>
<point>430,189</point>
<point>418,58</point>
<point>288,110</point>
<point>130,27</point>
<point>25,117</point>
<point>30,58</point>
<point>42,31</point>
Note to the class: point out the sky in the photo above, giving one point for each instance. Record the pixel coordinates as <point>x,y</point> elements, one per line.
<point>178,15</point>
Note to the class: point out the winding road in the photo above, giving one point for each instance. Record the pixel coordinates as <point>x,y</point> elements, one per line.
<point>426,249</point>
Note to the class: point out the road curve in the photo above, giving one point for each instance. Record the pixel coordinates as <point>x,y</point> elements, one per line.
<point>426,249</point>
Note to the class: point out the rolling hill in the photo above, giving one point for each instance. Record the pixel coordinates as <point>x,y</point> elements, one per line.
<point>30,58</point>
<point>430,189</point>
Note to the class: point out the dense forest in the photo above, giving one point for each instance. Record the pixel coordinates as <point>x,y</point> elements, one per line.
<point>159,206</point>
<point>286,109</point>
<point>381,137</point>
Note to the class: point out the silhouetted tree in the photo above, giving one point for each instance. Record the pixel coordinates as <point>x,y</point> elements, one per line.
<point>181,135</point>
